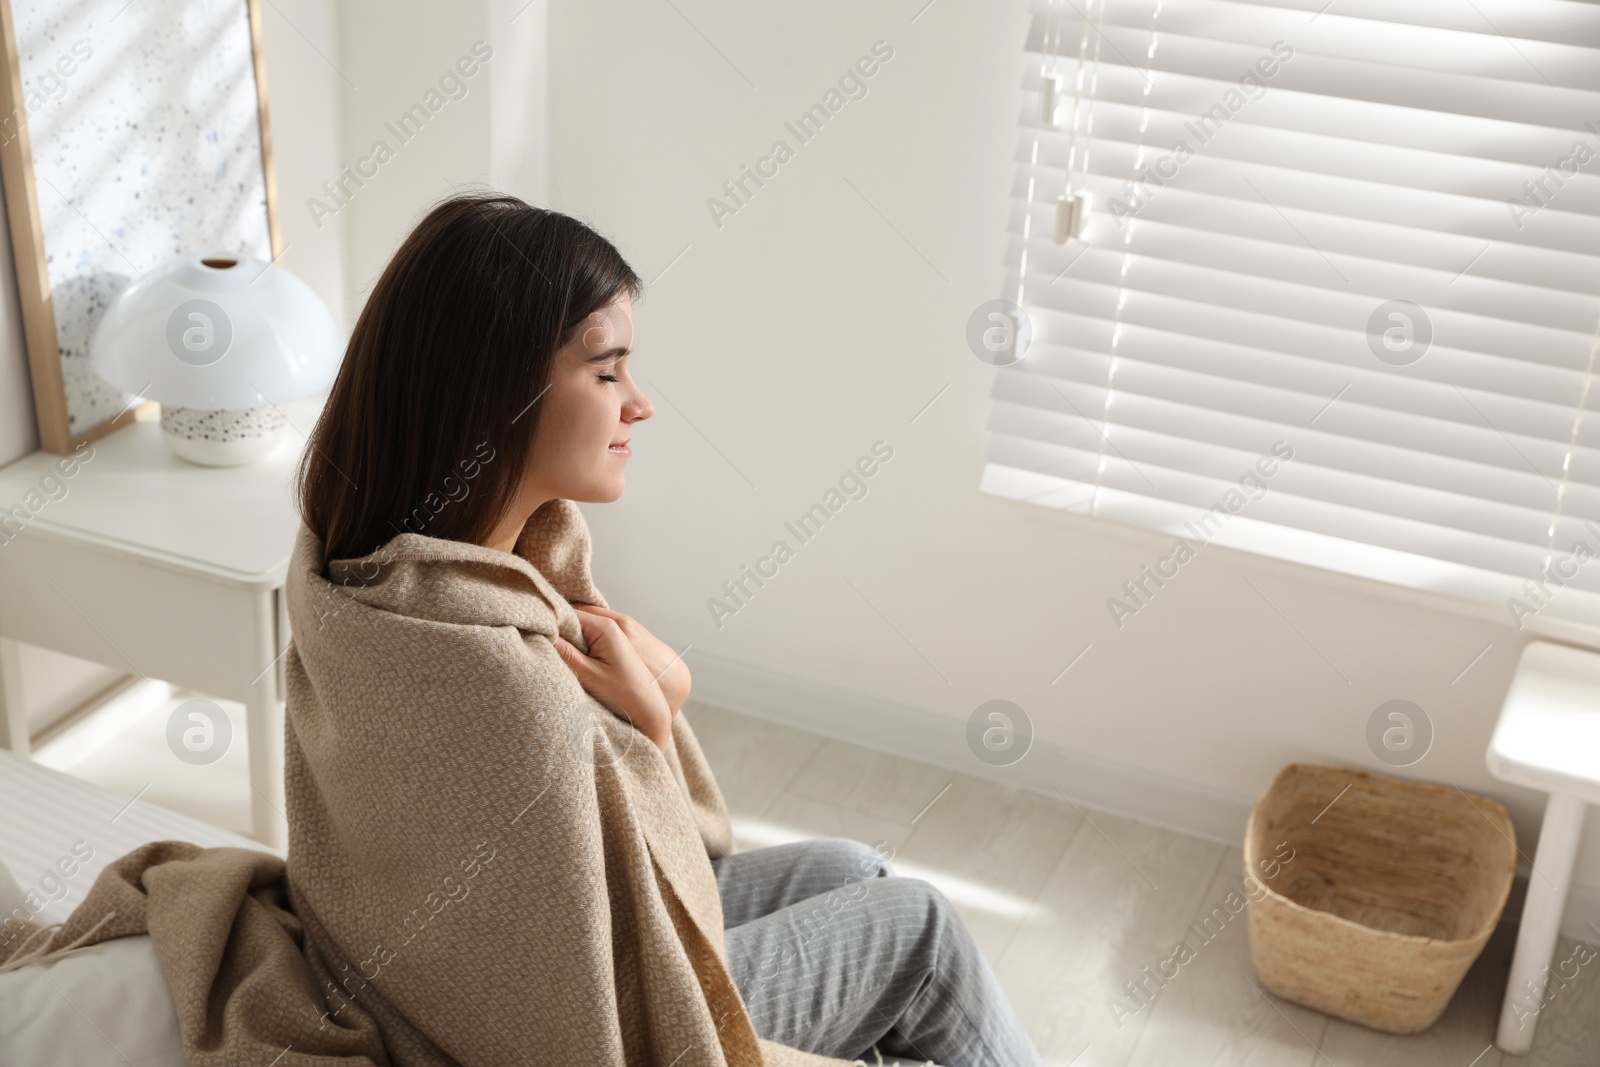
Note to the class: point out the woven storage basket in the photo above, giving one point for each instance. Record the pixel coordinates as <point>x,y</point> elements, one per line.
<point>1388,897</point>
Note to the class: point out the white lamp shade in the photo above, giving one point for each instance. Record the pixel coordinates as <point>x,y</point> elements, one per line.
<point>219,331</point>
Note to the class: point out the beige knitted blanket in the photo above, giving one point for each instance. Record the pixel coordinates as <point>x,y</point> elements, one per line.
<point>485,866</point>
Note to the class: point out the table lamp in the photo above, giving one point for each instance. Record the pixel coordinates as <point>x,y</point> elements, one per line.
<point>219,339</point>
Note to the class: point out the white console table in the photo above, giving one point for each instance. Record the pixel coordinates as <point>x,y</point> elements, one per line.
<point>163,569</point>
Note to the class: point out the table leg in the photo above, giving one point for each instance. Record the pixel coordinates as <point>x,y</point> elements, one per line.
<point>264,722</point>
<point>1541,922</point>
<point>13,715</point>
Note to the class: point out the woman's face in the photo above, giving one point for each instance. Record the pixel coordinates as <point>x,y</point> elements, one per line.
<point>580,449</point>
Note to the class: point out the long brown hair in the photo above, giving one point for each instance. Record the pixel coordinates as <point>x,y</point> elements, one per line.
<point>429,424</point>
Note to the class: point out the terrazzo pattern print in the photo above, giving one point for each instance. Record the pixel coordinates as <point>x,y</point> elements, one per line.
<point>146,146</point>
<point>203,424</point>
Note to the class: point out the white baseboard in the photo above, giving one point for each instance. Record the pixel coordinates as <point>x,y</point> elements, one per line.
<point>92,725</point>
<point>917,734</point>
<point>1092,781</point>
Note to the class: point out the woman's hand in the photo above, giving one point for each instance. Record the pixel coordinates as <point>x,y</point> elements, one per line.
<point>667,666</point>
<point>615,675</point>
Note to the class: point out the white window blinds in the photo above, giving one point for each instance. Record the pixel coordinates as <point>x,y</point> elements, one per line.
<point>1367,230</point>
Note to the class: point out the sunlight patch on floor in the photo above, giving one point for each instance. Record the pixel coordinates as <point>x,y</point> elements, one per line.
<point>758,833</point>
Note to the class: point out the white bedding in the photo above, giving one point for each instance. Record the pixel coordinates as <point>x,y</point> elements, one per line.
<point>110,1003</point>
<point>44,814</point>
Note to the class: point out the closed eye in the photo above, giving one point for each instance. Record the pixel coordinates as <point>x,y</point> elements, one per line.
<point>609,378</point>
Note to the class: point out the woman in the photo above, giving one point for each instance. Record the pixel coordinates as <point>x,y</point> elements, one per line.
<point>505,842</point>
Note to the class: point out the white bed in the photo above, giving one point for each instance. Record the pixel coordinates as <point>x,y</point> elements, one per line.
<point>108,1004</point>
<point>44,813</point>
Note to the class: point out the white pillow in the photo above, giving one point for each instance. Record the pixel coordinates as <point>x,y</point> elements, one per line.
<point>101,1005</point>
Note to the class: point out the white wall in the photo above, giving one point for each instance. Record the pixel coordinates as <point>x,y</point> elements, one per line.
<point>304,88</point>
<point>492,136</point>
<point>55,684</point>
<point>823,316</point>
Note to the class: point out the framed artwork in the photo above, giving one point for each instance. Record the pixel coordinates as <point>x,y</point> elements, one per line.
<point>133,132</point>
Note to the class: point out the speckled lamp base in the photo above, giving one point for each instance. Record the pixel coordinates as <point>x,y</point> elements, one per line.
<point>222,438</point>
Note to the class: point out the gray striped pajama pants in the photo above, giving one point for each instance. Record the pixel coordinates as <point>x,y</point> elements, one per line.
<point>833,953</point>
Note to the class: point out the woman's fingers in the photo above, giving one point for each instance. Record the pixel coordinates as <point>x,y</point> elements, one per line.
<point>600,634</point>
<point>666,666</point>
<point>614,674</point>
<point>570,655</point>
<point>623,623</point>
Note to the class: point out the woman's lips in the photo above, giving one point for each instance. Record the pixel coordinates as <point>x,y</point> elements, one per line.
<point>620,450</point>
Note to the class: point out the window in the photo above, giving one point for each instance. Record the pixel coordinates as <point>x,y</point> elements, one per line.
<point>1363,233</point>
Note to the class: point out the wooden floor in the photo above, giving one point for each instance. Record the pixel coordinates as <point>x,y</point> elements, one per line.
<point>1068,904</point>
